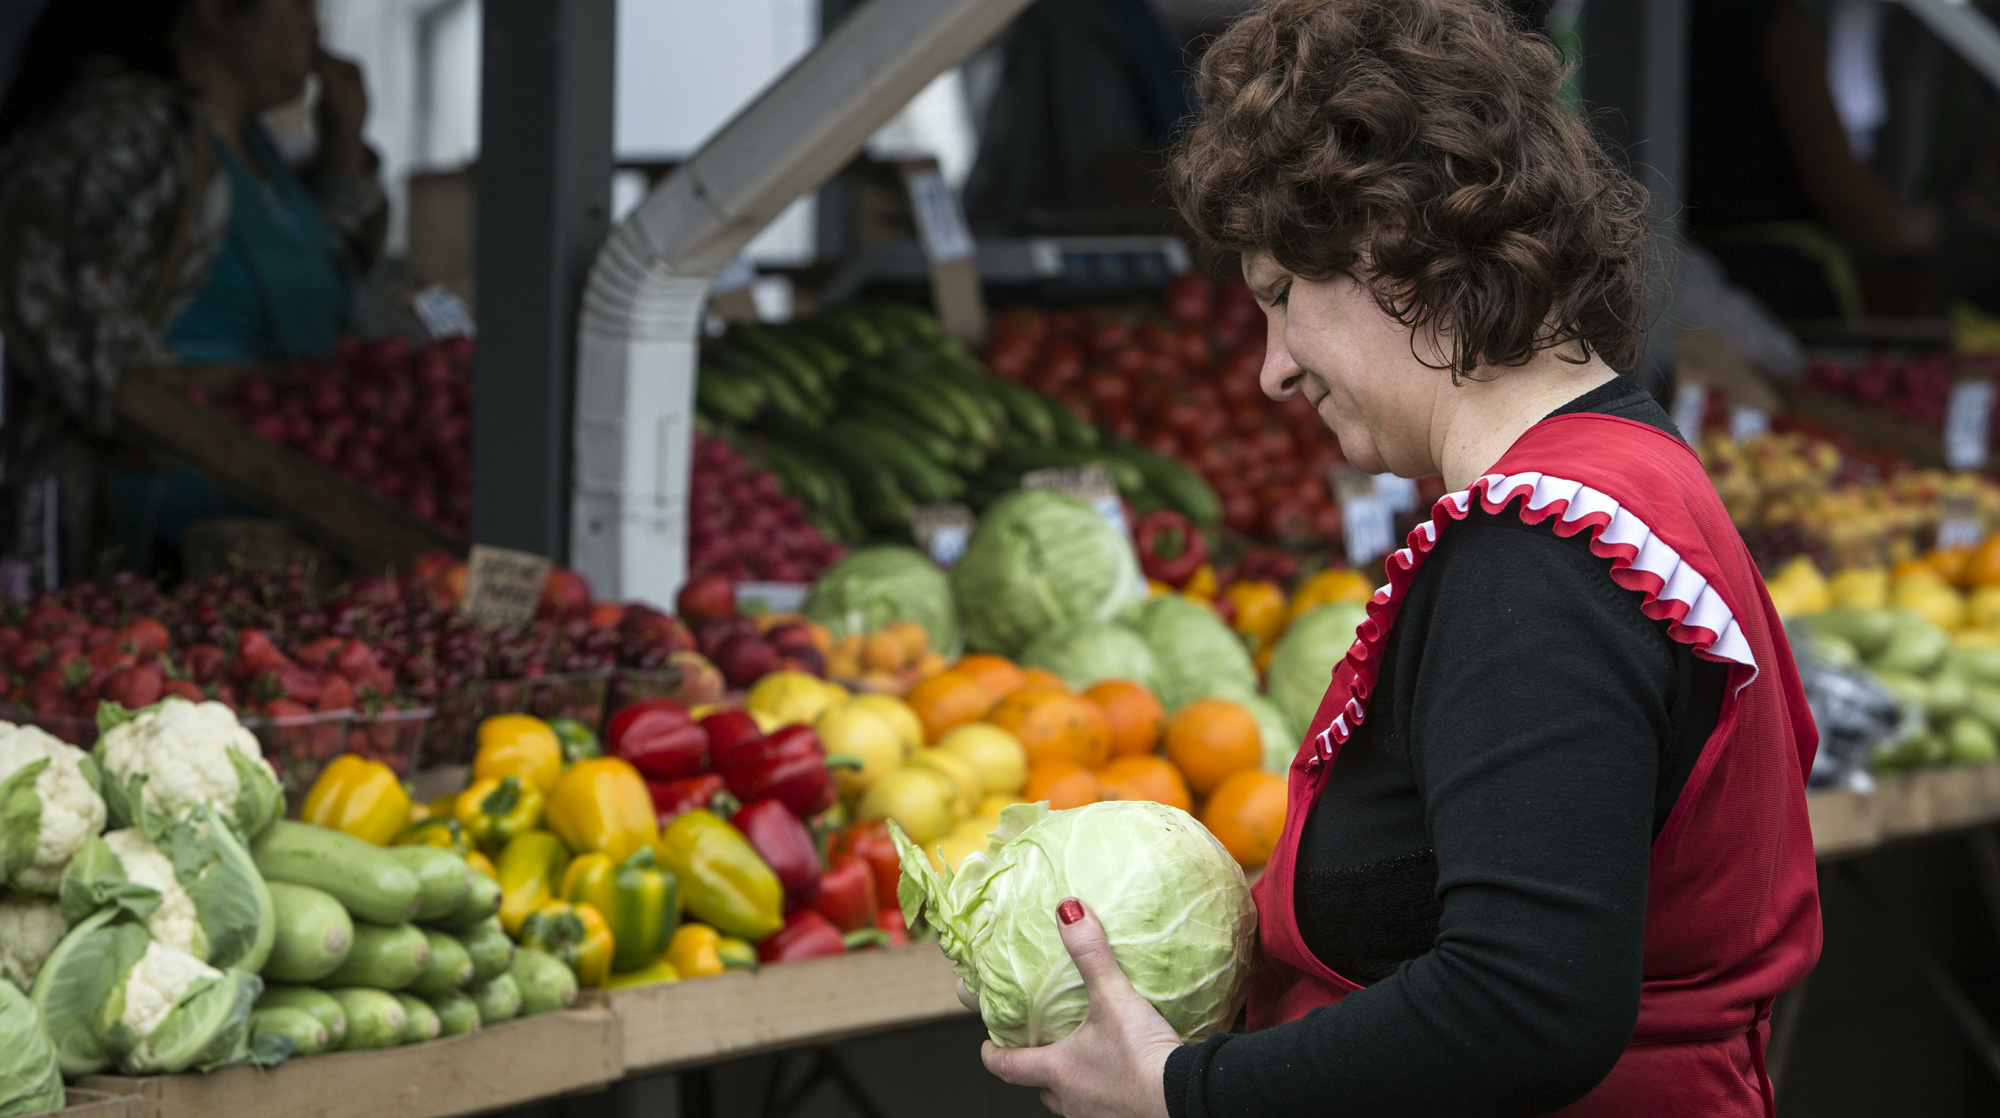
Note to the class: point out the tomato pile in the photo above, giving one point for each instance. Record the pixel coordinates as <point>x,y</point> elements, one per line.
<point>1186,385</point>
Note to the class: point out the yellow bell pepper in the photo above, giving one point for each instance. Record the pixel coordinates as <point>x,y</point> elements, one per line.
<point>1260,611</point>
<point>518,745</point>
<point>602,805</point>
<point>1201,584</point>
<point>529,870</point>
<point>419,811</point>
<point>360,797</point>
<point>635,897</point>
<point>441,831</point>
<point>653,973</point>
<point>574,933</point>
<point>726,883</point>
<point>493,811</point>
<point>698,951</point>
<point>1342,584</point>
<point>737,954</point>
<point>480,863</point>
<point>442,805</point>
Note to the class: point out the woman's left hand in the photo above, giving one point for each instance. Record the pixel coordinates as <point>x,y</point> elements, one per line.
<point>1113,1065</point>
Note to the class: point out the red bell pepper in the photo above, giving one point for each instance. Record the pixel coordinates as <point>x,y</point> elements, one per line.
<point>676,797</point>
<point>727,729</point>
<point>659,739</point>
<point>847,894</point>
<point>785,845</point>
<point>1170,546</point>
<point>895,932</point>
<point>806,935</point>
<point>788,766</point>
<point>871,843</point>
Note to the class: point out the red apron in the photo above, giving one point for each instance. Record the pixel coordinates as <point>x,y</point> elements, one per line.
<point>1732,900</point>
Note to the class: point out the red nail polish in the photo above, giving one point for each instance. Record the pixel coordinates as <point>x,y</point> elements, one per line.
<point>1070,911</point>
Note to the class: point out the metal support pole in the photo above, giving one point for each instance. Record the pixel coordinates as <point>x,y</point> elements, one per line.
<point>1635,77</point>
<point>545,161</point>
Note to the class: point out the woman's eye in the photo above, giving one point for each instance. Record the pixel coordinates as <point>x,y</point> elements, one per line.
<point>1284,293</point>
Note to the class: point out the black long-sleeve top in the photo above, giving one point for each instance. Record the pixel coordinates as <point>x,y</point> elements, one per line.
<point>1477,858</point>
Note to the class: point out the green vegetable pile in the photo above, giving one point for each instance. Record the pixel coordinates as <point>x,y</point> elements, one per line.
<point>1173,903</point>
<point>1040,561</point>
<point>873,586</point>
<point>1951,692</point>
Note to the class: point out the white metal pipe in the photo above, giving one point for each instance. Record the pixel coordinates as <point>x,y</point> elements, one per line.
<point>636,340</point>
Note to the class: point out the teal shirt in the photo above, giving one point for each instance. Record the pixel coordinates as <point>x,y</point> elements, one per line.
<point>279,288</point>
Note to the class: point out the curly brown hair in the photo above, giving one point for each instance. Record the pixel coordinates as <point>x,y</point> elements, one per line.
<point>1430,138</point>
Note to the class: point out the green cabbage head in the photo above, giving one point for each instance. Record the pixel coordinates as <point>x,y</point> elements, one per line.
<point>1038,561</point>
<point>30,1079</point>
<point>1091,651</point>
<point>1200,656</point>
<point>873,586</point>
<point>1173,903</point>
<point>1302,665</point>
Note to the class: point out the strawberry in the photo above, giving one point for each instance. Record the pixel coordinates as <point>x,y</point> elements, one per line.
<point>204,663</point>
<point>136,687</point>
<point>296,683</point>
<point>182,689</point>
<point>319,654</point>
<point>336,694</point>
<point>256,655</point>
<point>357,661</point>
<point>144,637</point>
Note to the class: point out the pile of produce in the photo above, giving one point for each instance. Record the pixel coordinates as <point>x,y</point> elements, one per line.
<point>1185,386</point>
<point>393,420</point>
<point>867,411</point>
<point>1915,387</point>
<point>742,527</point>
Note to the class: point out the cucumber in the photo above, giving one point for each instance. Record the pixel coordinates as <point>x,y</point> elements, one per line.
<point>374,1018</point>
<point>1071,428</point>
<point>384,958</point>
<point>322,1005</point>
<point>546,982</point>
<point>498,999</point>
<point>314,934</point>
<point>482,900</point>
<point>362,876</point>
<point>443,878</point>
<point>307,1034</point>
<point>725,395</point>
<point>489,947</point>
<point>1176,484</point>
<point>449,968</point>
<point>420,1021</point>
<point>457,1013</point>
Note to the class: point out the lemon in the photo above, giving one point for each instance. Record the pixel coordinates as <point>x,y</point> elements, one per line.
<point>865,736</point>
<point>993,753</point>
<point>996,802</point>
<point>909,728</point>
<point>963,777</point>
<point>918,799</point>
<point>789,697</point>
<point>966,838</point>
<point>1865,587</point>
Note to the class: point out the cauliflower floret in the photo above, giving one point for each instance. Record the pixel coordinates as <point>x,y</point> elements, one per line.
<point>156,983</point>
<point>185,751</point>
<point>71,809</point>
<point>175,923</point>
<point>30,928</point>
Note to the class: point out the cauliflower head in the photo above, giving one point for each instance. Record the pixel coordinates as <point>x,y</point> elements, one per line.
<point>44,818</point>
<point>157,983</point>
<point>188,754</point>
<point>175,922</point>
<point>30,928</point>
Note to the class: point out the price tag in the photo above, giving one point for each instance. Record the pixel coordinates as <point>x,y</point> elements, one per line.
<point>729,294</point>
<point>1746,423</point>
<point>1089,483</point>
<point>1690,405</point>
<point>941,531</point>
<point>1400,492</point>
<point>957,294</point>
<point>1959,522</point>
<point>1968,418</point>
<point>503,587</point>
<point>442,312</point>
<point>1368,528</point>
<point>940,222</point>
<point>770,597</point>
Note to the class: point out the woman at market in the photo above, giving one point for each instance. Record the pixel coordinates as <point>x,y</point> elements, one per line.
<point>1546,847</point>
<point>146,216</point>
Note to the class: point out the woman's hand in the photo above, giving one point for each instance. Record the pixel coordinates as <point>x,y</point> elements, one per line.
<point>343,110</point>
<point>1113,1065</point>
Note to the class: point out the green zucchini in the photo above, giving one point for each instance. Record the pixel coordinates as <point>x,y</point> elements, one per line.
<point>384,958</point>
<point>324,1007</point>
<point>457,1013</point>
<point>489,947</point>
<point>360,875</point>
<point>374,1018</point>
<point>546,982</point>
<point>482,900</point>
<point>314,934</point>
<point>420,1021</point>
<point>449,967</point>
<point>307,1035</point>
<point>498,999</point>
<point>443,878</point>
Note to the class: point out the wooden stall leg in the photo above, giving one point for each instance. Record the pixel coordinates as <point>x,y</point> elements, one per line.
<point>1973,1027</point>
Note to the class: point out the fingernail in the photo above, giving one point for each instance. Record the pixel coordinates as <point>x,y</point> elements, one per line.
<point>1070,911</point>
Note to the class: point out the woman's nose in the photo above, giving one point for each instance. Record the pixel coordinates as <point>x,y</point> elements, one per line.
<point>1280,376</point>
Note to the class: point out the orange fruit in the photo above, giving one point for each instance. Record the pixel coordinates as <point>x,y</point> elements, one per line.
<point>914,639</point>
<point>1054,726</point>
<point>1212,740</point>
<point>1132,715</point>
<point>947,700</point>
<point>1043,678</point>
<point>1246,815</point>
<point>1063,784</point>
<point>882,652</point>
<point>1982,565</point>
<point>995,673</point>
<point>1951,563</point>
<point>1145,778</point>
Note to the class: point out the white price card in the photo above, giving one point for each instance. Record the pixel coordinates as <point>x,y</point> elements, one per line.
<point>940,222</point>
<point>770,597</point>
<point>941,531</point>
<point>1747,423</point>
<point>1399,492</point>
<point>1959,531</point>
<point>1690,405</point>
<point>442,312</point>
<point>1968,419</point>
<point>1368,527</point>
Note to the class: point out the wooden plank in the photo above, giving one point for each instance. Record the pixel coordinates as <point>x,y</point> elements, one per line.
<point>819,1000</point>
<point>79,1103</point>
<point>515,1062</point>
<point>365,530</point>
<point>1873,428</point>
<point>1843,822</point>
<point>1908,805</point>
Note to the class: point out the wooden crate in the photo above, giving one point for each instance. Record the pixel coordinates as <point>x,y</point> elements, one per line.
<point>1908,805</point>
<point>367,531</point>
<point>812,1002</point>
<point>79,1103</point>
<point>515,1062</point>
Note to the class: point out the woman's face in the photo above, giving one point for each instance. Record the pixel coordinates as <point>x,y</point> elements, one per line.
<point>268,45</point>
<point>1330,342</point>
